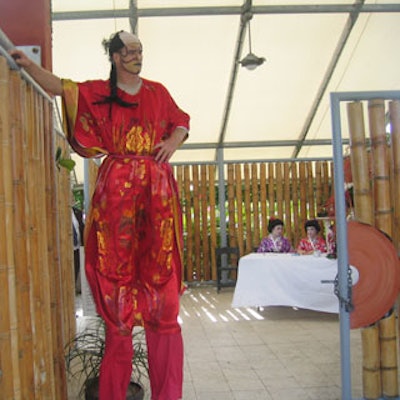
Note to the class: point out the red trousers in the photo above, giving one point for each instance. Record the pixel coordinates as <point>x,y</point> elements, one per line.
<point>165,356</point>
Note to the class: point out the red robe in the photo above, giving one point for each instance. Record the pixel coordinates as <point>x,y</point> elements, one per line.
<point>134,229</point>
<point>307,245</point>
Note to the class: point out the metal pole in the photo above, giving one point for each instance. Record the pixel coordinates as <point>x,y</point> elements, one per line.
<point>221,196</point>
<point>341,232</point>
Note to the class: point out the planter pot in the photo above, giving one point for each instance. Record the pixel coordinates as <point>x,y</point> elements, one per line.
<point>135,391</point>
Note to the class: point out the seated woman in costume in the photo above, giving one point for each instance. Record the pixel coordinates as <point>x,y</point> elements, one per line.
<point>275,242</point>
<point>313,243</point>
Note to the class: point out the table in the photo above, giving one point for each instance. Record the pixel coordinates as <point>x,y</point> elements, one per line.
<point>272,279</point>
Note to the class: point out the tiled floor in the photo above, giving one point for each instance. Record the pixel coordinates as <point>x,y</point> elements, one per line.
<point>275,353</point>
<point>278,353</point>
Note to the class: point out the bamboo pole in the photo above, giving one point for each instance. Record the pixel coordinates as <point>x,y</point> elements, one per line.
<point>359,164</point>
<point>380,161</point>
<point>62,290</point>
<point>318,187</point>
<point>188,218</point>
<point>54,261</point>
<point>196,220</point>
<point>256,213</point>
<point>247,207</point>
<point>25,334</point>
<point>263,201</point>
<point>388,347</point>
<point>325,181</point>
<point>383,221</point>
<point>310,190</point>
<point>231,212</point>
<point>213,220</point>
<point>372,385</point>
<point>178,174</point>
<point>371,363</point>
<point>303,193</point>
<point>394,112</point>
<point>279,188</point>
<point>9,366</point>
<point>239,199</point>
<point>287,200</point>
<point>231,205</point>
<point>294,232</point>
<point>44,388</point>
<point>204,221</point>
<point>271,190</point>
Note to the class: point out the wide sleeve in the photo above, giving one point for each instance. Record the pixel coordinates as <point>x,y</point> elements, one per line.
<point>80,123</point>
<point>264,246</point>
<point>177,117</point>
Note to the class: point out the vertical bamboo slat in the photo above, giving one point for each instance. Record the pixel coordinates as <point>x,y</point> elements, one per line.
<point>303,193</point>
<point>292,230</point>
<point>231,206</point>
<point>279,189</point>
<point>263,200</point>
<point>22,264</point>
<point>204,222</point>
<point>188,217</point>
<point>239,200</point>
<point>371,378</point>
<point>247,207</point>
<point>256,213</point>
<point>383,221</point>
<point>318,187</point>
<point>287,199</point>
<point>394,112</point>
<point>359,164</point>
<point>44,373</point>
<point>55,263</point>
<point>9,377</point>
<point>325,181</point>
<point>379,151</point>
<point>196,220</point>
<point>388,343</point>
<point>271,190</point>
<point>310,190</point>
<point>178,174</point>
<point>213,219</point>
<point>372,386</point>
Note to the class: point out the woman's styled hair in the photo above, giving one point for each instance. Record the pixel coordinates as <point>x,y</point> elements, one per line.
<point>312,223</point>
<point>113,45</point>
<point>273,222</point>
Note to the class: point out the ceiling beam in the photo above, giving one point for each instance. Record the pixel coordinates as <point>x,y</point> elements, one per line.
<point>244,20</point>
<point>204,11</point>
<point>351,20</point>
<point>262,143</point>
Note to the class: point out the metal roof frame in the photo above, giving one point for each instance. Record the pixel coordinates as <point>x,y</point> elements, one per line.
<point>246,11</point>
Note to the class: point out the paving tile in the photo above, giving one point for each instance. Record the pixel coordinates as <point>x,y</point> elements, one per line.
<point>252,395</point>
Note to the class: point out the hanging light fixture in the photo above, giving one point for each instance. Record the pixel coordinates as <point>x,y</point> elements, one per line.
<point>251,61</point>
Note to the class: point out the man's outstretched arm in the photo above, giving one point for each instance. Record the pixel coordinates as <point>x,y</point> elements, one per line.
<point>48,81</point>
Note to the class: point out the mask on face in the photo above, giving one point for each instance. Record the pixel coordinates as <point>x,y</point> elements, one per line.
<point>131,58</point>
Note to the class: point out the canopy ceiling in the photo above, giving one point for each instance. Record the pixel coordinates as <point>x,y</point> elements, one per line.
<point>279,110</point>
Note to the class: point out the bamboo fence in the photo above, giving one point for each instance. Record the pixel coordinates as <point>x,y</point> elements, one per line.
<point>255,191</point>
<point>36,268</point>
<point>375,172</point>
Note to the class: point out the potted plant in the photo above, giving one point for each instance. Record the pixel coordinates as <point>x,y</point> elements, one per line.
<point>85,352</point>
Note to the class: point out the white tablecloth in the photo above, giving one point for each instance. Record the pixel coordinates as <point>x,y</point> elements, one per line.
<point>268,279</point>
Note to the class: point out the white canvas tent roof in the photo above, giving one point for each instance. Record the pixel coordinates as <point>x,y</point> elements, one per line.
<point>279,110</point>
